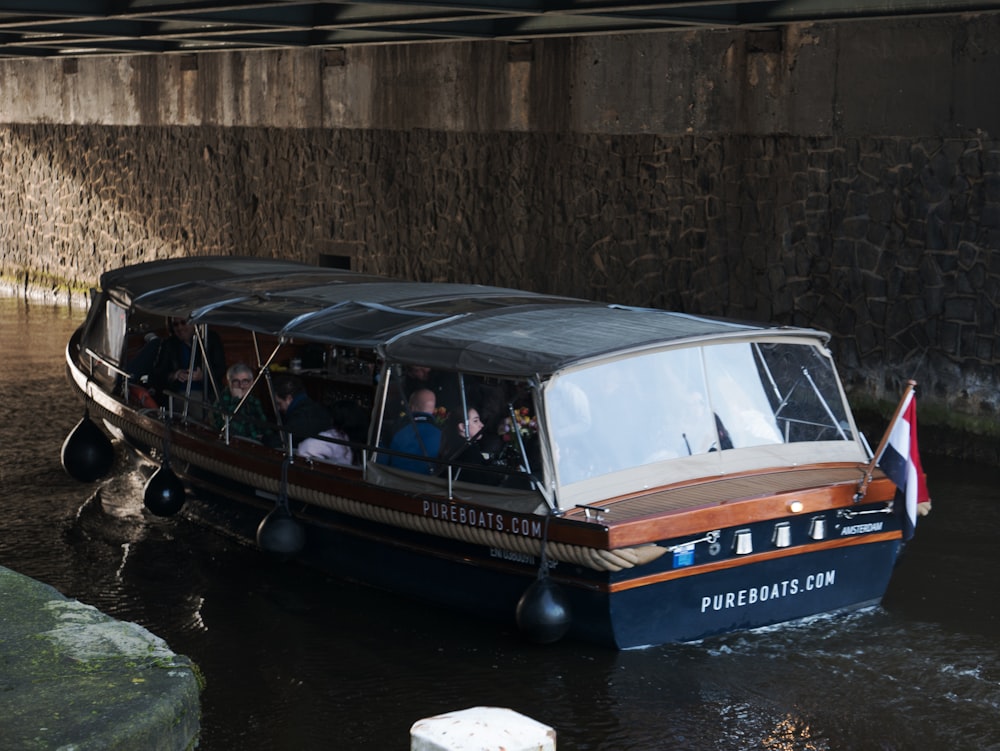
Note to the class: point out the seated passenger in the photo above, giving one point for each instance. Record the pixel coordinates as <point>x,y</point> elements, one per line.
<point>447,386</point>
<point>412,379</point>
<point>139,369</point>
<point>178,370</point>
<point>418,436</point>
<point>141,366</point>
<point>301,417</point>
<point>352,418</point>
<point>327,450</point>
<point>249,421</point>
<point>466,445</point>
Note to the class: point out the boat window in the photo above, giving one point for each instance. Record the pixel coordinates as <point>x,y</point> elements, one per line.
<point>738,396</point>
<point>115,319</point>
<point>685,402</point>
<point>803,391</point>
<point>106,339</point>
<point>629,412</point>
<point>481,430</point>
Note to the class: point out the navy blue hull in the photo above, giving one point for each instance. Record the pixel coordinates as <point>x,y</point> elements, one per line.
<point>447,572</point>
<point>686,605</point>
<point>753,594</point>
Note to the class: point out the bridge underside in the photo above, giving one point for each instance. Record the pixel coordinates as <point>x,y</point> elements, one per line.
<point>47,28</point>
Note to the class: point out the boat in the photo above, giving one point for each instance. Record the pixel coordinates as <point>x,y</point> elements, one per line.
<point>643,476</point>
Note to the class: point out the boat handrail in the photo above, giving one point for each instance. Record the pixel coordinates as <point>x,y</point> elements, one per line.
<point>447,469</point>
<point>105,362</point>
<point>95,358</point>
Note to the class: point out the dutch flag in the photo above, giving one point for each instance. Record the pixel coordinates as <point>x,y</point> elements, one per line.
<point>901,463</point>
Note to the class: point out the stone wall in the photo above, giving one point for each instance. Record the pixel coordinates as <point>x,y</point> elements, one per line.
<point>890,244</point>
<point>795,194</point>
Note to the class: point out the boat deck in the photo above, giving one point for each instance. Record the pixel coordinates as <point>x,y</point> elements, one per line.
<point>725,490</point>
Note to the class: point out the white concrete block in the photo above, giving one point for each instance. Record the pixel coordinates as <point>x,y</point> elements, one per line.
<point>481,729</point>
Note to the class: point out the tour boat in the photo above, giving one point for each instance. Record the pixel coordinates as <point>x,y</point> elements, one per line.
<point>641,476</point>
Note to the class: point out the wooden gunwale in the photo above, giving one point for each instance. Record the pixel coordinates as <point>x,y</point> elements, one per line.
<point>695,508</point>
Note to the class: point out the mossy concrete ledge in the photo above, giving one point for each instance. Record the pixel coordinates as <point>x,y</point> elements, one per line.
<point>74,679</point>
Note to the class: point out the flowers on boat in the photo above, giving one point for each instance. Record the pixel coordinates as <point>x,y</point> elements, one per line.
<point>526,424</point>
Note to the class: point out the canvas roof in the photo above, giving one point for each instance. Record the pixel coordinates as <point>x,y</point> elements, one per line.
<point>473,328</point>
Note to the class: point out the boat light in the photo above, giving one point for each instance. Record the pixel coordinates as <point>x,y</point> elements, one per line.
<point>795,507</point>
<point>743,542</point>
<point>817,528</point>
<point>782,535</point>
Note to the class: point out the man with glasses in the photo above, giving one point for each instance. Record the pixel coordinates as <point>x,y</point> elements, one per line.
<point>246,420</point>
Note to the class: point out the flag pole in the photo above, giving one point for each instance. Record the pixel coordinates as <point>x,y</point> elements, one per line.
<point>867,478</point>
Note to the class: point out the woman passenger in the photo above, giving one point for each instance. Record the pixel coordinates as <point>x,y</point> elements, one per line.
<point>464,444</point>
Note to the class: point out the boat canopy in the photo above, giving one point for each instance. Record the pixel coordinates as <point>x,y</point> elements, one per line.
<point>470,328</point>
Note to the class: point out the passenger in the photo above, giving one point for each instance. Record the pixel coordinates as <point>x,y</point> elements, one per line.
<point>249,421</point>
<point>175,370</point>
<point>352,418</point>
<point>445,385</point>
<point>327,450</point>
<point>141,366</point>
<point>454,390</point>
<point>140,390</point>
<point>301,417</point>
<point>419,436</point>
<point>413,378</point>
<point>466,445</point>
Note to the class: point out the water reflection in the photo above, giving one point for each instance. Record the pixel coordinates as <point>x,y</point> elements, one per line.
<point>297,659</point>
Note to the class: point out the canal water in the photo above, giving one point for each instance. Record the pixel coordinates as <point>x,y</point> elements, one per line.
<point>294,659</point>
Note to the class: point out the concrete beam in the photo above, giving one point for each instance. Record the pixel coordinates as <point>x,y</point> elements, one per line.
<point>910,78</point>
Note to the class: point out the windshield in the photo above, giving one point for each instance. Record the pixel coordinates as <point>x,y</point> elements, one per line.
<point>693,401</point>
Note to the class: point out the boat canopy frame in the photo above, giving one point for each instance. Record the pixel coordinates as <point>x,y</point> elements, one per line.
<point>475,329</point>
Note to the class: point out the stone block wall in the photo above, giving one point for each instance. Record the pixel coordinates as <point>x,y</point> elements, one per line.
<point>842,177</point>
<point>889,244</point>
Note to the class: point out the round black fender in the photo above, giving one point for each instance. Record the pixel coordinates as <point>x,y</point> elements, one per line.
<point>164,492</point>
<point>281,533</point>
<point>87,452</point>
<point>543,613</point>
